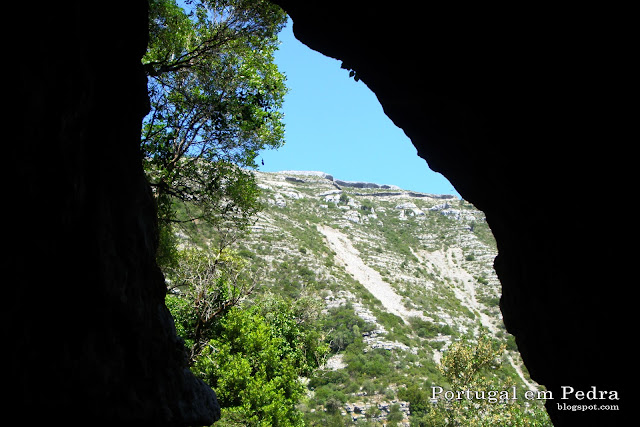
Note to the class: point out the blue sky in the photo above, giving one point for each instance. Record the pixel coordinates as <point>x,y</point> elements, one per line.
<point>336,125</point>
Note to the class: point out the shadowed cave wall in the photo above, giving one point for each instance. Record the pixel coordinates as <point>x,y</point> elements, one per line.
<point>87,337</point>
<point>524,109</point>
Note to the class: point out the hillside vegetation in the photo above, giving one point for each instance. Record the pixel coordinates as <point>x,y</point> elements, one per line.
<point>398,277</point>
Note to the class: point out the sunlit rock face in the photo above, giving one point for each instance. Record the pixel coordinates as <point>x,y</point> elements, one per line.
<point>87,338</point>
<point>527,112</point>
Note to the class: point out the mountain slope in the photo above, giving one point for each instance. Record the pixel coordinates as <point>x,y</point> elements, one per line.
<point>416,268</point>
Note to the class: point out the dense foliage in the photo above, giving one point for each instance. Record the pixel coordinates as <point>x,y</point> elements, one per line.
<point>210,283</point>
<point>255,356</point>
<point>215,97</point>
<point>470,366</point>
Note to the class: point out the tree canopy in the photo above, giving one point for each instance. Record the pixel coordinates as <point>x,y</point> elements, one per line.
<point>254,357</point>
<point>471,365</point>
<point>215,96</point>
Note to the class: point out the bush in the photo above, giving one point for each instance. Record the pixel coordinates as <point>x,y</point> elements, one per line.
<point>344,327</point>
<point>472,365</point>
<point>333,405</point>
<point>426,329</point>
<point>374,363</point>
<point>395,415</point>
<point>418,399</point>
<point>256,358</point>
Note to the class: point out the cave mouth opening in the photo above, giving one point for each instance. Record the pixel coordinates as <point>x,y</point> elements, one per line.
<point>338,124</point>
<point>335,124</point>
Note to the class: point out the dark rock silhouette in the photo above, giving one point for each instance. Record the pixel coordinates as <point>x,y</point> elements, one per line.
<point>88,339</point>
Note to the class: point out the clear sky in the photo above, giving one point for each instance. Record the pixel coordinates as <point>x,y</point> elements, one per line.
<point>336,125</point>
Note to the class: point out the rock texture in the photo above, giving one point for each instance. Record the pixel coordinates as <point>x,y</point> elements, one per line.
<point>510,103</point>
<point>88,339</point>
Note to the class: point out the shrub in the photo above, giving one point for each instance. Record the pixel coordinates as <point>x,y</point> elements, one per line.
<point>395,415</point>
<point>256,358</point>
<point>344,327</point>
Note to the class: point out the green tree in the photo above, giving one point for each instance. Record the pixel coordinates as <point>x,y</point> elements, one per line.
<point>470,365</point>
<point>344,327</point>
<point>256,358</point>
<point>395,415</point>
<point>208,283</point>
<point>215,96</point>
<point>252,352</point>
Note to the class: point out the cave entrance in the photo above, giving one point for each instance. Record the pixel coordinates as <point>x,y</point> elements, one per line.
<point>405,263</point>
<point>439,281</point>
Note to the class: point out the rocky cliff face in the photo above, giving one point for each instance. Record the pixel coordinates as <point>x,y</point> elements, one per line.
<point>395,243</point>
